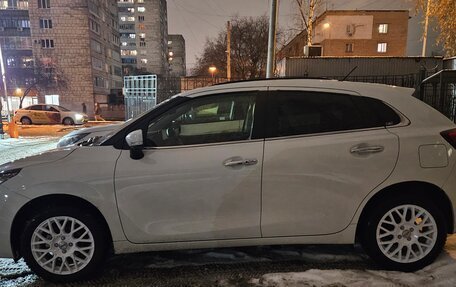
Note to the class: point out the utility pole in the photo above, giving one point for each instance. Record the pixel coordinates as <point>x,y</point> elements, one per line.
<point>228,51</point>
<point>426,26</point>
<point>272,38</point>
<point>5,92</point>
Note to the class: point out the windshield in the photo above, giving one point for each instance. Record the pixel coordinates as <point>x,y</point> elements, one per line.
<point>63,109</point>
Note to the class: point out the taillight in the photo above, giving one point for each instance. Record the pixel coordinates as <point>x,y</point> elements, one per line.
<point>450,136</point>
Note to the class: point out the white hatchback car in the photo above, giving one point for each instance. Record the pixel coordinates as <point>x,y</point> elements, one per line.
<point>249,163</point>
<point>49,114</point>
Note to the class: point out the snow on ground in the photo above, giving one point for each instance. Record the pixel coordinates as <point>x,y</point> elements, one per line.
<point>440,273</point>
<point>13,149</point>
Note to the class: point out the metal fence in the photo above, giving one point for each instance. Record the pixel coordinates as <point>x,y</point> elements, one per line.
<point>140,93</point>
<point>439,91</point>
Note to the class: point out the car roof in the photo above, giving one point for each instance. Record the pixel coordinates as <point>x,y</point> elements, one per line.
<point>366,89</point>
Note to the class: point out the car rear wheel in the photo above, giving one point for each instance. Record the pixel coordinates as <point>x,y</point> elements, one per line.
<point>68,121</point>
<point>64,245</point>
<point>26,121</point>
<point>404,234</point>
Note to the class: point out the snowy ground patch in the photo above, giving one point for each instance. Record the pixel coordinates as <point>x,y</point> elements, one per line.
<point>441,273</point>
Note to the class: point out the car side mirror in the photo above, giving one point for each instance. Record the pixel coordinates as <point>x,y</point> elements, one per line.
<point>135,142</point>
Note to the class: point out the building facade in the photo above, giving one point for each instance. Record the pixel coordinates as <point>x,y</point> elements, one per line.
<point>16,44</point>
<point>176,56</point>
<point>348,33</point>
<point>79,41</point>
<point>143,26</point>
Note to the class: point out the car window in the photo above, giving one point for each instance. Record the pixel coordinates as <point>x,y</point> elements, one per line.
<point>300,113</point>
<point>35,108</point>
<point>51,109</point>
<point>211,119</point>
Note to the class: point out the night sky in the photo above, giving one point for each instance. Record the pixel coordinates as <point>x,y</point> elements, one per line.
<point>199,19</point>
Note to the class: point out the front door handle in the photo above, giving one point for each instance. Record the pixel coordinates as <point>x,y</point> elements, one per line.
<point>237,161</point>
<point>366,149</point>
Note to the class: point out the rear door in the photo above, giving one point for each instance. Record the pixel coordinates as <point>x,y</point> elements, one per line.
<point>324,153</point>
<point>52,115</point>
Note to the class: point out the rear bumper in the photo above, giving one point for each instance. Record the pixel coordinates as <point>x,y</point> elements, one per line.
<point>10,203</point>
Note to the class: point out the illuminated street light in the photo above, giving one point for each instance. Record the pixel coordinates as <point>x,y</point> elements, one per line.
<point>212,70</point>
<point>18,91</point>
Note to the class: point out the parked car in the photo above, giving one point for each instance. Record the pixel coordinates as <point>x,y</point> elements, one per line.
<point>86,134</point>
<point>49,114</point>
<point>249,163</point>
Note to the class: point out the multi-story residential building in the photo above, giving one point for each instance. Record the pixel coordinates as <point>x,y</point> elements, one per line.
<point>79,41</point>
<point>16,44</point>
<point>143,27</point>
<point>355,33</point>
<point>176,56</point>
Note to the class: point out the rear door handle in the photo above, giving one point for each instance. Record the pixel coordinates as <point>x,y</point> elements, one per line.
<point>366,149</point>
<point>239,161</point>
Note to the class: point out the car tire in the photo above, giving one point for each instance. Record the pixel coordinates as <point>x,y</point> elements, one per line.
<point>68,244</point>
<point>68,121</point>
<point>390,225</point>
<point>26,121</point>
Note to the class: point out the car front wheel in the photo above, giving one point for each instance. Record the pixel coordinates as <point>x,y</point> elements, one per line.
<point>68,122</point>
<point>404,234</point>
<point>64,245</point>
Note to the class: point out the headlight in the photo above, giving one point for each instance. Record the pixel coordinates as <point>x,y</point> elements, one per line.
<point>71,140</point>
<point>79,117</point>
<point>7,174</point>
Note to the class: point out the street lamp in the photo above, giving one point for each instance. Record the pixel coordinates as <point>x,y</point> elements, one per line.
<point>327,26</point>
<point>212,70</point>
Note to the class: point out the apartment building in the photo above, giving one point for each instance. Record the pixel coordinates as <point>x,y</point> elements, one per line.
<point>76,40</point>
<point>176,56</point>
<point>16,44</point>
<point>143,27</point>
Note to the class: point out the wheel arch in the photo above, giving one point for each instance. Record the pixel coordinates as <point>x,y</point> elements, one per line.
<point>68,117</point>
<point>425,189</point>
<point>48,201</point>
<point>25,117</point>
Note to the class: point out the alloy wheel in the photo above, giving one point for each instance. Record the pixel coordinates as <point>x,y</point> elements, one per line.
<point>62,245</point>
<point>406,233</point>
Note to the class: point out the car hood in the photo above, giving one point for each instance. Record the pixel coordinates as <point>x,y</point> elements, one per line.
<point>104,128</point>
<point>45,157</point>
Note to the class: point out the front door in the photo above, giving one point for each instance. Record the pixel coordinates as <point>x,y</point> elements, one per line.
<point>325,152</point>
<point>200,177</point>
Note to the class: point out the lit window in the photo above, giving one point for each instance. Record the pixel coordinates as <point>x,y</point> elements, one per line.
<point>381,47</point>
<point>142,35</point>
<point>140,1</point>
<point>349,48</point>
<point>141,26</point>
<point>124,44</point>
<point>383,28</point>
<point>143,61</point>
<point>133,36</point>
<point>141,9</point>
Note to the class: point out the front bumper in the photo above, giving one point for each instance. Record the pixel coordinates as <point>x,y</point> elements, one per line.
<point>10,204</point>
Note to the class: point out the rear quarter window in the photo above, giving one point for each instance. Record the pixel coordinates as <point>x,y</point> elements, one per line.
<point>302,112</point>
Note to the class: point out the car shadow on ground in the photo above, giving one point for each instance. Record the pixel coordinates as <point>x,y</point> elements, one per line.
<point>206,267</point>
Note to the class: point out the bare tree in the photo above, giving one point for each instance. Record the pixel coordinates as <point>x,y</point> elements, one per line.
<point>307,12</point>
<point>46,76</point>
<point>444,11</point>
<point>249,41</point>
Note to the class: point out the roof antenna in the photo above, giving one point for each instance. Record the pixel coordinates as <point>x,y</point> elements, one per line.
<point>356,67</point>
